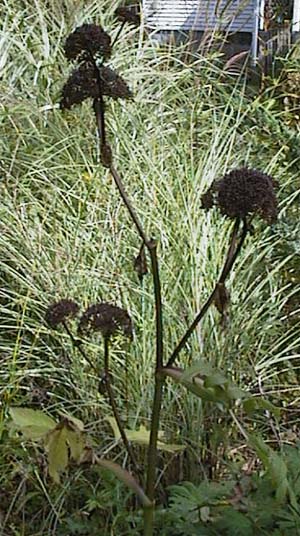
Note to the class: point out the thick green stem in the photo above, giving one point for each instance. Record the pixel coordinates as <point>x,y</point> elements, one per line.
<point>152,247</point>
<point>158,396</point>
<point>152,454</point>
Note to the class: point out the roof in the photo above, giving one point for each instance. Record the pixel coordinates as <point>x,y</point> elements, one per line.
<point>200,15</point>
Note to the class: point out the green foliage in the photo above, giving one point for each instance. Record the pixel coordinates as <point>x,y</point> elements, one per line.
<point>253,504</point>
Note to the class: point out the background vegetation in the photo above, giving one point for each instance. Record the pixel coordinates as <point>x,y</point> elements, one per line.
<point>65,233</point>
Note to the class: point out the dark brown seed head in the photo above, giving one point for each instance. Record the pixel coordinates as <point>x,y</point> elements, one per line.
<point>106,318</point>
<point>83,84</point>
<point>242,192</point>
<point>130,14</point>
<point>88,39</point>
<point>59,312</point>
<point>113,85</point>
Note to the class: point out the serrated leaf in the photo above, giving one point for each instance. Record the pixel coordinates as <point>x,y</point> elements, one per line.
<point>57,449</point>
<point>34,433</point>
<point>214,387</point>
<point>76,443</point>
<point>234,392</point>
<point>216,378</point>
<point>34,424</point>
<point>278,473</point>
<point>200,367</point>
<point>261,448</point>
<point>255,403</point>
<point>113,423</point>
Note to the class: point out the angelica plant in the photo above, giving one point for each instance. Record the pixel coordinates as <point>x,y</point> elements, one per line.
<point>240,195</point>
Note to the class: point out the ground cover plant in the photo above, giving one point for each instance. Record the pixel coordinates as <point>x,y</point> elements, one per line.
<point>66,235</point>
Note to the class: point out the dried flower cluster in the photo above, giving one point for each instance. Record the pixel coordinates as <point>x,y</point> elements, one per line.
<point>59,311</point>
<point>83,83</point>
<point>113,85</point>
<point>130,14</point>
<point>88,39</point>
<point>106,318</point>
<point>242,192</point>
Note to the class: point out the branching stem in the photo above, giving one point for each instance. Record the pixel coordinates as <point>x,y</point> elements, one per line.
<point>233,252</point>
<point>151,246</point>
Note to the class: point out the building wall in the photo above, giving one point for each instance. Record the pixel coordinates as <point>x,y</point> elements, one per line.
<point>200,15</point>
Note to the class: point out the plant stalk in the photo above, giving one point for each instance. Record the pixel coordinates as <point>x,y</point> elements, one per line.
<point>77,344</point>
<point>151,245</point>
<point>127,203</point>
<point>118,34</point>
<point>114,408</point>
<point>231,256</point>
<point>158,396</point>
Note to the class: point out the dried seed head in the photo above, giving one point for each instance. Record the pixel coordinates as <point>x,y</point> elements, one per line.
<point>207,199</point>
<point>106,318</point>
<point>113,85</point>
<point>130,14</point>
<point>58,312</point>
<point>83,84</point>
<point>244,191</point>
<point>88,39</point>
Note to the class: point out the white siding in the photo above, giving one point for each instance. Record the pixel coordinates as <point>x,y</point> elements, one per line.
<point>199,15</point>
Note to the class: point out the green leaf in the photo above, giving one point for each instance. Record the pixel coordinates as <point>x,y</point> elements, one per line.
<point>278,472</point>
<point>57,449</point>
<point>216,378</point>
<point>34,424</point>
<point>213,388</point>
<point>200,367</point>
<point>261,448</point>
<point>255,403</point>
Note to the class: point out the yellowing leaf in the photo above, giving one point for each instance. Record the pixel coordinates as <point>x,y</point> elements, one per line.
<point>170,447</point>
<point>77,423</point>
<point>34,424</point>
<point>115,429</point>
<point>76,443</point>
<point>35,433</point>
<point>142,437</point>
<point>57,452</point>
